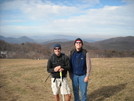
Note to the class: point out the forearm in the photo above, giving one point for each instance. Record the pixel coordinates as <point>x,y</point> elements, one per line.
<point>88,64</point>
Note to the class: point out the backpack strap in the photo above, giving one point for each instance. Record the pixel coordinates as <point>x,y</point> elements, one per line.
<point>71,52</point>
<point>63,56</point>
<point>84,52</point>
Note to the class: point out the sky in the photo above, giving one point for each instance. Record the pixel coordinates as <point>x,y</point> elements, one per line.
<point>82,18</point>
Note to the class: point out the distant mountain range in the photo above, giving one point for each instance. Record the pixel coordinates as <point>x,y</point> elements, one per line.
<point>55,37</point>
<point>22,39</point>
<point>117,43</point>
<point>42,40</point>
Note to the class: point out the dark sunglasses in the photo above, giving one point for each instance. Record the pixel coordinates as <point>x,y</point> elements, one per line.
<point>78,42</point>
<point>56,48</point>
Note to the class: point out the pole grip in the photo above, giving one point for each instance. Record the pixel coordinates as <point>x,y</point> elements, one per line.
<point>60,74</point>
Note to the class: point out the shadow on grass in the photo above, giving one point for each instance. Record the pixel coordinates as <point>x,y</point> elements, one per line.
<point>105,92</point>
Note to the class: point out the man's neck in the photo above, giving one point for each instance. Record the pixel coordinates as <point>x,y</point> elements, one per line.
<point>58,54</point>
<point>78,49</point>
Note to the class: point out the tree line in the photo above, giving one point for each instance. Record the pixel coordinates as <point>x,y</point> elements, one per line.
<point>24,50</point>
<point>36,51</point>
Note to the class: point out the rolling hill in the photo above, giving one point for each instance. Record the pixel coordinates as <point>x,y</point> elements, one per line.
<point>113,47</point>
<point>117,43</point>
<point>19,40</point>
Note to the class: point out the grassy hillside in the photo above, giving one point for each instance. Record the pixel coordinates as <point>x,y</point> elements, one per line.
<point>111,79</point>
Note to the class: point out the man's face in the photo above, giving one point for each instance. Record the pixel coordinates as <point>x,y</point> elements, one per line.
<point>57,51</point>
<point>78,44</point>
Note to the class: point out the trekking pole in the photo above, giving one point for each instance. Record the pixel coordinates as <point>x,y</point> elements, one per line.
<point>62,86</point>
<point>47,77</point>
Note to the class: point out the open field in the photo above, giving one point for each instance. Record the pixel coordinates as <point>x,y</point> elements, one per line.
<point>111,79</point>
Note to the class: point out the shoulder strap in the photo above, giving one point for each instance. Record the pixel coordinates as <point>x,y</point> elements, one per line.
<point>52,58</point>
<point>84,52</point>
<point>71,52</point>
<point>63,57</point>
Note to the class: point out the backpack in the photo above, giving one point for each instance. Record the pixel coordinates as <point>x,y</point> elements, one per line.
<point>83,51</point>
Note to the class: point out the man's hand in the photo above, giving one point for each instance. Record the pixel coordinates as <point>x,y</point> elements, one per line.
<point>86,79</point>
<point>57,68</point>
<point>61,69</point>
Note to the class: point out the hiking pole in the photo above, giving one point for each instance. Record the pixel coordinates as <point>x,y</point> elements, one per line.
<point>61,85</point>
<point>47,77</point>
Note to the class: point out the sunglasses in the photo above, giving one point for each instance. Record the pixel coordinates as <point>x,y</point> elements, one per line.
<point>56,48</point>
<point>78,42</point>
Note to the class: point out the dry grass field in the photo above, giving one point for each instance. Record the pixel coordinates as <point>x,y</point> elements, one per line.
<point>111,79</point>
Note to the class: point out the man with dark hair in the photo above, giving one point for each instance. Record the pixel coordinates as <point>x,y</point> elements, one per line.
<point>57,63</point>
<point>80,70</point>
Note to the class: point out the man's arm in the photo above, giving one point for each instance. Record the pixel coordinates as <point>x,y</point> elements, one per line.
<point>50,68</point>
<point>88,64</point>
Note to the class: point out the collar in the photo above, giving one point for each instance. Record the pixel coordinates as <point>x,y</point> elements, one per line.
<point>78,51</point>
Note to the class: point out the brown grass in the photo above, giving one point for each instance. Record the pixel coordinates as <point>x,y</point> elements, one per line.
<point>111,79</point>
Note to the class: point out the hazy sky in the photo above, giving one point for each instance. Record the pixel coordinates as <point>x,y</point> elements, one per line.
<point>83,18</point>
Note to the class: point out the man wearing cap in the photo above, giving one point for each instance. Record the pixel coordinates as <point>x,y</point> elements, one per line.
<point>57,63</point>
<point>80,70</point>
